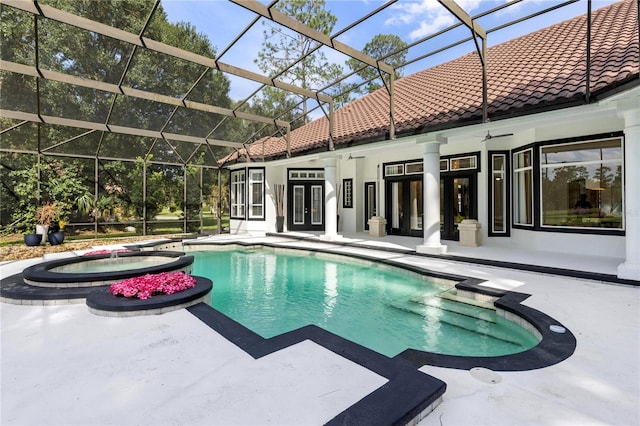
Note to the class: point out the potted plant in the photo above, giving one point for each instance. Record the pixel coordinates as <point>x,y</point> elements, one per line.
<point>56,236</point>
<point>278,199</point>
<point>32,240</point>
<point>45,214</point>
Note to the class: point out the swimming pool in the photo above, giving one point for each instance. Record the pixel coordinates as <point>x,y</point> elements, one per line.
<point>384,308</point>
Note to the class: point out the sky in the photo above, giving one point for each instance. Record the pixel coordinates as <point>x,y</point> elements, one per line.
<point>411,20</point>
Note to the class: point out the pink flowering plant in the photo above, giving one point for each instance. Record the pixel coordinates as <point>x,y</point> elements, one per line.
<point>145,286</point>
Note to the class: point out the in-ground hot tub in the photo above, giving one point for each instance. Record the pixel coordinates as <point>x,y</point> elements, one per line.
<point>104,269</point>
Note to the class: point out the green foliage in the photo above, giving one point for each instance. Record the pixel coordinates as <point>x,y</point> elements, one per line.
<point>59,183</point>
<point>380,46</point>
<point>70,50</point>
<point>155,198</point>
<point>281,49</point>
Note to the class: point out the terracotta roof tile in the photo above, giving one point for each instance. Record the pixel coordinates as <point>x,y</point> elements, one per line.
<point>544,67</point>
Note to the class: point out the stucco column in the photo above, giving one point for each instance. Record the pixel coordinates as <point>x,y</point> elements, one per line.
<point>330,201</point>
<point>630,269</point>
<point>431,197</point>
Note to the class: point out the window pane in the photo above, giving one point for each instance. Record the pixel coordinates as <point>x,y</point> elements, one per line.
<point>522,159</point>
<point>237,194</point>
<point>523,188</point>
<point>394,170</point>
<point>585,193</point>
<point>316,205</point>
<point>498,194</point>
<point>256,193</point>
<point>416,204</point>
<point>298,205</point>
<point>463,163</point>
<point>414,168</point>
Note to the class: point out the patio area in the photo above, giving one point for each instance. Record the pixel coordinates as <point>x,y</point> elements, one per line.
<point>62,365</point>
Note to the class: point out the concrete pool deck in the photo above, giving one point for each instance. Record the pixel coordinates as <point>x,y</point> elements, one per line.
<point>62,365</point>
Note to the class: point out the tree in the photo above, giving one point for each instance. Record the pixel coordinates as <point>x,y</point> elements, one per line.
<point>379,48</point>
<point>70,50</point>
<point>281,48</point>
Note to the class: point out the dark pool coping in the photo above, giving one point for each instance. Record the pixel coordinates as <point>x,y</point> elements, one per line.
<point>406,397</point>
<point>552,348</point>
<point>13,289</point>
<point>41,272</point>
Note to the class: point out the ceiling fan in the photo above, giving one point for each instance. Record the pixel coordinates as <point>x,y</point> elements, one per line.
<point>351,157</point>
<point>490,136</point>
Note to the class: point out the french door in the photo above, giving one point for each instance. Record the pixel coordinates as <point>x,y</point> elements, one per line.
<point>457,202</point>
<point>405,207</point>
<point>305,206</point>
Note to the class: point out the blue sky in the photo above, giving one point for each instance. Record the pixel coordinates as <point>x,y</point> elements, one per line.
<point>411,20</point>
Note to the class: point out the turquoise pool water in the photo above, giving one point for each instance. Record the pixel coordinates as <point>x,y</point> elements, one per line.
<point>383,308</point>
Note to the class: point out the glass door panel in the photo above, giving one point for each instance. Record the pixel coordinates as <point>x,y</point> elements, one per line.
<point>316,204</point>
<point>416,205</point>
<point>369,202</point>
<point>396,204</point>
<point>298,204</point>
<point>457,202</point>
<point>443,208</point>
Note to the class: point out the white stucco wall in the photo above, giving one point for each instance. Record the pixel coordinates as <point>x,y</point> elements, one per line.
<point>368,167</point>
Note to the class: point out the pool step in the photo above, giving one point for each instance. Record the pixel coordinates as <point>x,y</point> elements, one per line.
<point>463,306</point>
<point>454,296</point>
<point>483,322</point>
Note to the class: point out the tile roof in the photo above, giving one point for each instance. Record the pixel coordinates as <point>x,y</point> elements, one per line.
<point>544,69</point>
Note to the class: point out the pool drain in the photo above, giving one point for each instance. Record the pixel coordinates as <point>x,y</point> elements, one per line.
<point>485,375</point>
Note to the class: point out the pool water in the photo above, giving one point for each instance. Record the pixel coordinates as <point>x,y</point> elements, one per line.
<point>383,308</point>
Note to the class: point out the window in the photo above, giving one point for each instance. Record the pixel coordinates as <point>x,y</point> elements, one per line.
<point>347,200</point>
<point>414,168</point>
<point>463,163</point>
<point>306,174</point>
<point>256,193</point>
<point>498,187</point>
<point>523,187</point>
<point>237,194</point>
<point>394,170</point>
<point>582,184</point>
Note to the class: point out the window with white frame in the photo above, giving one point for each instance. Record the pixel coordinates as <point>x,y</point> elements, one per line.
<point>256,193</point>
<point>237,194</point>
<point>523,187</point>
<point>581,183</point>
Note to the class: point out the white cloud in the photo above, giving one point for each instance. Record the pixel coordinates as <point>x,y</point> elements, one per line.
<point>432,26</point>
<point>426,16</point>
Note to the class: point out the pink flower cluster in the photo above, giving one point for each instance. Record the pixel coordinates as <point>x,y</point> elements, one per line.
<point>105,251</point>
<point>147,285</point>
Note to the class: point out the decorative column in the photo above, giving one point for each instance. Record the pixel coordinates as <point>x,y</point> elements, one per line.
<point>630,269</point>
<point>330,201</point>
<point>431,197</point>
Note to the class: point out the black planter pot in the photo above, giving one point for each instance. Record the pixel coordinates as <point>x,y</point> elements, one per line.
<point>56,238</point>
<point>32,240</point>
<point>279,223</point>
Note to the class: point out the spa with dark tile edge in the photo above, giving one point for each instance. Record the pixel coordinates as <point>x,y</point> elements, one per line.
<point>553,347</point>
<point>44,274</point>
<point>102,302</point>
<point>38,285</point>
